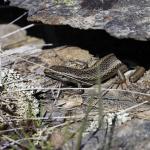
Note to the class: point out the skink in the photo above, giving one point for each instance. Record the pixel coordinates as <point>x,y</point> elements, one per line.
<point>105,68</point>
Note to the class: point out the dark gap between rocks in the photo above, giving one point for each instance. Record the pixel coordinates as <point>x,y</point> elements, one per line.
<point>97,42</point>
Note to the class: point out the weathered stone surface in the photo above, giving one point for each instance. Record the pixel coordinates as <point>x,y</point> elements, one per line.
<point>120,18</point>
<point>10,41</point>
<point>131,136</point>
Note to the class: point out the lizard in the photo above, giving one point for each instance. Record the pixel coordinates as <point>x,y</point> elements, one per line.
<point>105,68</point>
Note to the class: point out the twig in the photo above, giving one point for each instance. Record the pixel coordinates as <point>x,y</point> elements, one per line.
<point>130,108</point>
<point>18,18</point>
<point>10,130</point>
<point>13,141</point>
<point>51,88</point>
<point>20,140</point>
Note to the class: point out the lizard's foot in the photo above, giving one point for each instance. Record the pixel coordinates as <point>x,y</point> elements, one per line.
<point>123,82</point>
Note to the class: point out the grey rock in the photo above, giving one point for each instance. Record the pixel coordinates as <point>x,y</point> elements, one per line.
<point>130,136</point>
<point>120,18</point>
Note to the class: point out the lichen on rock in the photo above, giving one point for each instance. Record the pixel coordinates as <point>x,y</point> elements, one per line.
<point>16,101</point>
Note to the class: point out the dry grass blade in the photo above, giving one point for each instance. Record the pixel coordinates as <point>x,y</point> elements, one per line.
<point>10,130</point>
<point>18,18</point>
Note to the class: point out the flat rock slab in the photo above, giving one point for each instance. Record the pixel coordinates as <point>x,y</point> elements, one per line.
<point>120,18</point>
<point>8,42</point>
<point>131,136</point>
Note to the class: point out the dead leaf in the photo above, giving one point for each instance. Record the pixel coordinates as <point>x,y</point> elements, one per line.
<point>57,139</point>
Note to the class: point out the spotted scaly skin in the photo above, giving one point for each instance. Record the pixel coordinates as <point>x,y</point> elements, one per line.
<point>104,68</point>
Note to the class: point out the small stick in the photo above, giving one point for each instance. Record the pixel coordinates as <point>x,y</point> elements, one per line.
<point>139,72</point>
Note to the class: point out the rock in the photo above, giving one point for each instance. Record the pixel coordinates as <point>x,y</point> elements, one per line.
<point>14,40</point>
<point>120,18</point>
<point>132,135</point>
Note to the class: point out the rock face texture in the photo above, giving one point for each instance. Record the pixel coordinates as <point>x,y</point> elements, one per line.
<point>131,136</point>
<point>120,18</point>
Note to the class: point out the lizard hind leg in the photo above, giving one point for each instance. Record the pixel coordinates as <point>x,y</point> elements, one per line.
<point>134,77</point>
<point>121,80</point>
